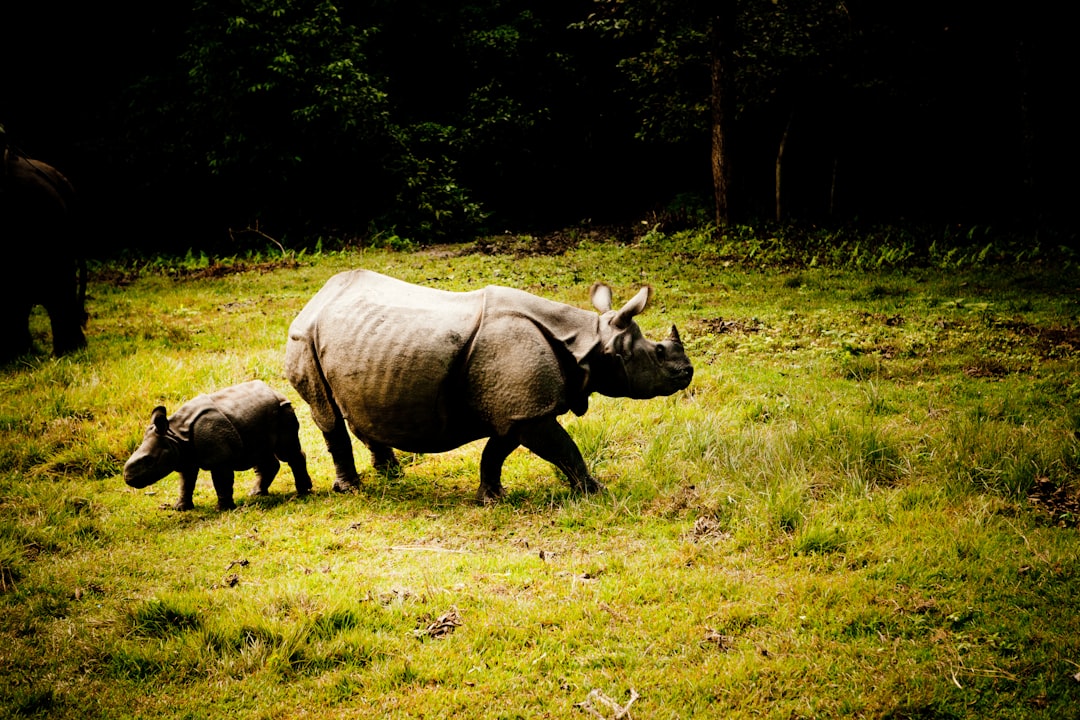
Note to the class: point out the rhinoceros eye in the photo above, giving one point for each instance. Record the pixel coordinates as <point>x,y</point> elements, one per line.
<point>660,351</point>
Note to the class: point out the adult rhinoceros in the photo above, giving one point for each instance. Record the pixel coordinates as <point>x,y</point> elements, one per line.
<point>426,370</point>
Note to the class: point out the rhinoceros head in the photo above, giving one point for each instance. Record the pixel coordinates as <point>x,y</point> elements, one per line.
<point>157,456</point>
<point>636,367</point>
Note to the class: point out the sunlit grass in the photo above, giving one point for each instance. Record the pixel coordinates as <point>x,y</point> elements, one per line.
<point>831,521</point>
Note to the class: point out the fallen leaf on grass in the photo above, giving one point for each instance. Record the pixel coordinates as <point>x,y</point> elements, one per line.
<point>395,593</point>
<point>721,641</point>
<point>231,580</point>
<point>708,528</point>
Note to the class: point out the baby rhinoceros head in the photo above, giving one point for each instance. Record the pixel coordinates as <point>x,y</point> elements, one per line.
<point>157,456</point>
<point>640,368</point>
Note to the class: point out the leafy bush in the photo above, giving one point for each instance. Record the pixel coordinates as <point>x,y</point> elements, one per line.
<point>874,248</point>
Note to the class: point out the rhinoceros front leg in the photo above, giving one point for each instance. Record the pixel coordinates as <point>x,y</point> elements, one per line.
<point>340,449</point>
<point>187,489</point>
<point>548,439</point>
<point>265,472</point>
<point>223,486</point>
<point>495,452</point>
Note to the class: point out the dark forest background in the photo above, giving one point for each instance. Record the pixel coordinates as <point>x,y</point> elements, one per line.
<point>441,120</point>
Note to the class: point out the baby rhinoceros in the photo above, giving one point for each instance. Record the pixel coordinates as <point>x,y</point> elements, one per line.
<point>237,428</point>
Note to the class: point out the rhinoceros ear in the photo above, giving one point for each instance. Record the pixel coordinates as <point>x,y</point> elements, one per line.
<point>635,306</point>
<point>674,336</point>
<point>601,296</point>
<point>160,420</point>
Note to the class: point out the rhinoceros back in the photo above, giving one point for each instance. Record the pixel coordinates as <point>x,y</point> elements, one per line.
<point>232,426</point>
<point>388,355</point>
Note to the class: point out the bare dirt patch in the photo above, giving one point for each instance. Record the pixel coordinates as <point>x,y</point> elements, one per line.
<point>1060,503</point>
<point>991,368</point>
<point>120,277</point>
<point>557,242</point>
<point>1050,342</point>
<point>719,326</point>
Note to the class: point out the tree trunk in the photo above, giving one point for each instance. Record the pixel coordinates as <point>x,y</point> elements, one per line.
<point>722,27</point>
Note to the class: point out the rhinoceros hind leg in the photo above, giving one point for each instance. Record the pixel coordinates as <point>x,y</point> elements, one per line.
<point>66,326</point>
<point>340,448</point>
<point>265,472</point>
<point>548,439</point>
<point>288,450</point>
<point>495,452</point>
<point>15,341</point>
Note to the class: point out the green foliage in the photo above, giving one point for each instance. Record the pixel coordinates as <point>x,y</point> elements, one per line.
<point>668,78</point>
<point>295,76</point>
<point>309,136</point>
<point>322,119</point>
<point>431,205</point>
<point>332,119</point>
<point>885,247</point>
<point>780,47</point>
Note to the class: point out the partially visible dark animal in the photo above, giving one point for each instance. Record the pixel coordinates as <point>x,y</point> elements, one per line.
<point>425,370</point>
<point>37,237</point>
<point>240,427</point>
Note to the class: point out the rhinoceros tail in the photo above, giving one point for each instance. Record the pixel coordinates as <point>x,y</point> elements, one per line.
<point>304,371</point>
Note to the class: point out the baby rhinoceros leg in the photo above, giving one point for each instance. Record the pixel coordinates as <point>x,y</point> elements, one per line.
<point>288,450</point>
<point>298,462</point>
<point>266,470</point>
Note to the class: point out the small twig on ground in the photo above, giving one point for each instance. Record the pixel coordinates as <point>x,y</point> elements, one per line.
<point>429,548</point>
<point>260,233</point>
<point>621,711</point>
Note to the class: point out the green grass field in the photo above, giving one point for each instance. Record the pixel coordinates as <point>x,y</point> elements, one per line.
<point>865,505</point>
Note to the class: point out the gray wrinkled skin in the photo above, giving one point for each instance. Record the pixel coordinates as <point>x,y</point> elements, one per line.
<point>38,222</point>
<point>422,370</point>
<point>240,427</point>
